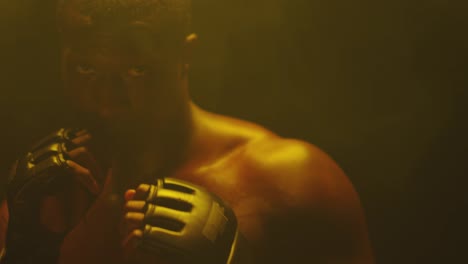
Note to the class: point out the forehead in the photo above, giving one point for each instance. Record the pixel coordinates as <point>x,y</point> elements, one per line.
<point>129,40</point>
<point>131,43</point>
<point>122,31</point>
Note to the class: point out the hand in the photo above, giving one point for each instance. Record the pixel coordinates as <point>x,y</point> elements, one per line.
<point>79,193</point>
<point>132,225</point>
<point>177,221</point>
<point>95,239</point>
<point>42,193</point>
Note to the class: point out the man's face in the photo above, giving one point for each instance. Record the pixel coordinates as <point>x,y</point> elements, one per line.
<point>123,81</point>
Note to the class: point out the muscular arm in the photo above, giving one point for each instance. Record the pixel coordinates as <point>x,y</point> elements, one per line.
<point>315,214</point>
<point>3,226</point>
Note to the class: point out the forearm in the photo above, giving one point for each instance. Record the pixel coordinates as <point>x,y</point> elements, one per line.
<point>3,228</point>
<point>75,248</point>
<point>83,245</point>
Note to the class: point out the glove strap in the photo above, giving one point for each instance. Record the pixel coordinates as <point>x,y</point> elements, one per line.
<point>240,251</point>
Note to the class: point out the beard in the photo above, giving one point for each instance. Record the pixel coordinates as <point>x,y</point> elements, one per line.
<point>120,142</point>
<point>138,147</point>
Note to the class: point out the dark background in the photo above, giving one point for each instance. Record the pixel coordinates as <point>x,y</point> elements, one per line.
<point>379,85</point>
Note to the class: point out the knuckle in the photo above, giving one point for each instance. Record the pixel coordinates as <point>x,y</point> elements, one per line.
<point>84,148</point>
<point>134,206</point>
<point>131,215</point>
<point>143,188</point>
<point>127,216</point>
<point>86,171</point>
<point>71,164</point>
<point>136,233</point>
<point>48,161</point>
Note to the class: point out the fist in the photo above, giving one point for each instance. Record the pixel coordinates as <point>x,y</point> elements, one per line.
<point>96,238</point>
<point>42,191</point>
<point>177,221</point>
<point>64,205</point>
<point>132,227</point>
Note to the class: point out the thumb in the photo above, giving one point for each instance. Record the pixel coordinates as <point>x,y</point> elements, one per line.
<point>107,204</point>
<point>108,186</point>
<point>109,195</point>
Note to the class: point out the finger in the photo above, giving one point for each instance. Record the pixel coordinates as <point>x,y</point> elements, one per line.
<point>84,177</point>
<point>108,183</point>
<point>106,207</point>
<point>135,206</point>
<point>134,218</point>
<point>81,139</point>
<point>86,159</point>
<point>81,132</point>
<point>129,194</point>
<point>132,221</point>
<point>131,243</point>
<point>78,152</point>
<point>109,192</point>
<point>142,192</point>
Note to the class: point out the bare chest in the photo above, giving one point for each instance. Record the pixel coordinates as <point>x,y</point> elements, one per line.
<point>232,181</point>
<point>239,188</point>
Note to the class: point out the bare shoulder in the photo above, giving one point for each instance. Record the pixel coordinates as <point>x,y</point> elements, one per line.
<point>311,201</point>
<point>303,173</point>
<point>292,200</point>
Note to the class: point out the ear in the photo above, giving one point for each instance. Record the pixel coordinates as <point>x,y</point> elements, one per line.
<point>189,48</point>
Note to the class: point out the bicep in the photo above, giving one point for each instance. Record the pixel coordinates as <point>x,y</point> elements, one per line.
<point>320,218</point>
<point>316,213</point>
<point>295,236</point>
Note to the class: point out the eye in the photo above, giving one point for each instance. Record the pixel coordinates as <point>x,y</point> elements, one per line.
<point>137,71</point>
<point>85,69</point>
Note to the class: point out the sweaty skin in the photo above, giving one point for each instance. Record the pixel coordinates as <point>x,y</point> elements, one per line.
<point>293,202</point>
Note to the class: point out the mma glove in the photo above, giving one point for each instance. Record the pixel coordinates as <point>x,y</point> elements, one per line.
<point>184,223</point>
<point>42,171</point>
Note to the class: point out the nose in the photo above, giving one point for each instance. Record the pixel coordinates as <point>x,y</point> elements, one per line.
<point>112,94</point>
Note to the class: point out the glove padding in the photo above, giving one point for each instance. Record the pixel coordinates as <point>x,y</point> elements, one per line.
<point>38,173</point>
<point>184,223</point>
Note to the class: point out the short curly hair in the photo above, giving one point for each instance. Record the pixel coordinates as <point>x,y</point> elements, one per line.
<point>166,17</point>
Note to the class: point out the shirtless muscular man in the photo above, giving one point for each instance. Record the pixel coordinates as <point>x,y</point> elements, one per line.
<point>150,177</point>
